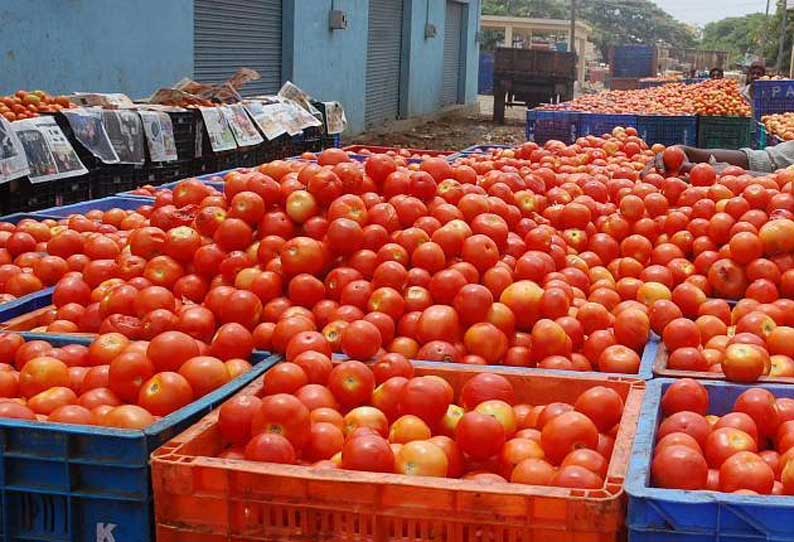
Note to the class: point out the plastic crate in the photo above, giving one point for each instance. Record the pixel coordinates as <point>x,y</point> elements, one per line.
<point>543,126</point>
<point>666,515</point>
<point>185,128</point>
<point>75,483</point>
<point>102,204</point>
<point>26,304</point>
<point>484,149</point>
<point>376,149</point>
<point>725,132</point>
<point>16,218</point>
<point>158,173</point>
<point>20,195</point>
<point>109,179</point>
<point>761,136</point>
<point>203,498</point>
<point>332,141</point>
<point>598,124</point>
<point>772,97</point>
<point>678,130</point>
<point>633,61</point>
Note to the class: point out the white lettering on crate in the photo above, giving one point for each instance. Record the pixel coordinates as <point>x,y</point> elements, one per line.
<point>104,532</point>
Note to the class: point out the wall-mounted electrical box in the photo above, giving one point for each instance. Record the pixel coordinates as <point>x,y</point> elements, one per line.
<point>430,31</point>
<point>338,20</point>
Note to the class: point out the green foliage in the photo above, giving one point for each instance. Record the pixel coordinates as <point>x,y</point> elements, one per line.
<point>751,34</point>
<point>614,22</point>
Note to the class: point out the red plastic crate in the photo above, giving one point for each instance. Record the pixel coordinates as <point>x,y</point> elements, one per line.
<point>202,498</point>
<point>375,149</point>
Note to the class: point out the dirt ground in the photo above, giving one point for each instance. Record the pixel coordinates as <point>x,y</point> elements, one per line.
<point>455,132</point>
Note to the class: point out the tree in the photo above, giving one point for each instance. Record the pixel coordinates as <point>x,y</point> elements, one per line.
<point>614,22</point>
<point>740,36</point>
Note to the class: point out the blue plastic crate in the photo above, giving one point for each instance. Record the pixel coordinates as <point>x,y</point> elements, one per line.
<point>75,483</point>
<point>543,126</point>
<point>597,124</point>
<point>484,149</point>
<point>633,61</point>
<point>772,97</point>
<point>678,130</point>
<point>666,515</point>
<point>16,218</point>
<point>102,204</point>
<point>485,73</point>
<point>26,304</point>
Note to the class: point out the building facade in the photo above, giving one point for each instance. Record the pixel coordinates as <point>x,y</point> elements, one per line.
<point>382,59</point>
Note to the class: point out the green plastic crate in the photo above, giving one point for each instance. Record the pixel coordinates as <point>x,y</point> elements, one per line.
<point>725,132</point>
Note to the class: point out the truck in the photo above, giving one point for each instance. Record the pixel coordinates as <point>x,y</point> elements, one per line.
<point>530,77</point>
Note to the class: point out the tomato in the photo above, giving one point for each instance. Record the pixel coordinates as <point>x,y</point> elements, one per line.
<point>127,417</point>
<point>234,418</point>
<point>361,340</point>
<point>11,409</point>
<point>390,365</point>
<point>679,467</point>
<point>761,406</point>
<point>164,393</point>
<point>127,373</point>
<point>270,447</point>
<point>98,397</point>
<point>746,470</point>
<point>479,435</point>
<point>602,405</point>
<point>484,387</point>
<point>426,398</point>
<point>232,341</point>
<point>72,414</point>
<point>204,374</point>
<point>169,350</point>
<point>284,378</point>
<point>42,373</point>
<point>352,383</point>
<point>687,422</point>
<point>368,452</point>
<point>685,394</point>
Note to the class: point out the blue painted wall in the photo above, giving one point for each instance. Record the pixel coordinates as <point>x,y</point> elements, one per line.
<point>95,45</point>
<point>329,65</point>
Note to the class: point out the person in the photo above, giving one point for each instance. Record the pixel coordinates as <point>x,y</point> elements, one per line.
<point>759,162</point>
<point>755,72</point>
<point>716,73</point>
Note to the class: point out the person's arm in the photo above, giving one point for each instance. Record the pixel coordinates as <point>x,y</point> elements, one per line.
<point>727,156</point>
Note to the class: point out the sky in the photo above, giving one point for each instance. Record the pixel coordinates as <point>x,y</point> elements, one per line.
<point>701,12</point>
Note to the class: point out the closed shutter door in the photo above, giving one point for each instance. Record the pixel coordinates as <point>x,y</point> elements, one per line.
<point>384,49</point>
<point>452,59</point>
<point>233,34</point>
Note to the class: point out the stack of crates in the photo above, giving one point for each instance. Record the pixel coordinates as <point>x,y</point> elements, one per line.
<point>543,126</point>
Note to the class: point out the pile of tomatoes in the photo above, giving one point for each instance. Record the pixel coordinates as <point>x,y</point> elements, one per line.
<point>385,418</point>
<point>746,451</point>
<point>716,97</point>
<point>113,382</point>
<point>780,125</point>
<point>26,105</point>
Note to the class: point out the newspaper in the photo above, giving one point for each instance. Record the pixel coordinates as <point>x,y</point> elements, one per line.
<point>89,130</point>
<point>293,92</point>
<point>50,155</point>
<point>243,129</point>
<point>13,163</point>
<point>159,136</point>
<point>335,118</point>
<point>221,137</point>
<point>125,130</point>
<point>114,100</point>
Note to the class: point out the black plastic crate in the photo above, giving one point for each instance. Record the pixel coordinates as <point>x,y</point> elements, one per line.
<point>109,179</point>
<point>185,127</point>
<point>20,195</point>
<point>678,130</point>
<point>246,157</point>
<point>74,189</point>
<point>725,132</point>
<point>158,173</point>
<point>332,141</point>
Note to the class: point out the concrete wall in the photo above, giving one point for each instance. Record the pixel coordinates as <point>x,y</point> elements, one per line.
<point>138,46</point>
<point>329,65</point>
<point>95,45</point>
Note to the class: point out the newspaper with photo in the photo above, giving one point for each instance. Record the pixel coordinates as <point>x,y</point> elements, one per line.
<point>89,130</point>
<point>221,137</point>
<point>49,153</point>
<point>159,133</point>
<point>125,130</point>
<point>244,130</point>
<point>13,163</point>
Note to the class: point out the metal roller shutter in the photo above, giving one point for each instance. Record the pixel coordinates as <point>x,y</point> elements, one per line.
<point>233,34</point>
<point>453,33</point>
<point>384,50</point>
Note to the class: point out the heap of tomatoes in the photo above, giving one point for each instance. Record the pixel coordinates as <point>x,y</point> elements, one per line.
<point>113,382</point>
<point>716,97</point>
<point>386,418</point>
<point>746,451</point>
<point>26,105</point>
<point>780,125</point>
